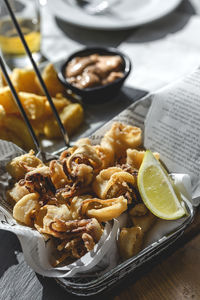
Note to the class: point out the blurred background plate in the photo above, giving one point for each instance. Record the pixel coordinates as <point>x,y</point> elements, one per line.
<point>122,15</point>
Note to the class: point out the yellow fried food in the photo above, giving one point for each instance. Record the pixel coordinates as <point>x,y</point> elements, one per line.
<point>113,182</point>
<point>7,101</point>
<point>51,80</point>
<point>121,137</point>
<point>2,80</point>
<point>22,164</point>
<point>24,80</point>
<point>130,241</point>
<point>104,210</point>
<point>142,217</point>
<point>71,117</point>
<point>34,105</point>
<point>25,207</point>
<point>48,214</point>
<point>134,157</point>
<point>17,127</point>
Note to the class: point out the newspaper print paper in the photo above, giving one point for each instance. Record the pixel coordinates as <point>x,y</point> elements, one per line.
<point>105,255</point>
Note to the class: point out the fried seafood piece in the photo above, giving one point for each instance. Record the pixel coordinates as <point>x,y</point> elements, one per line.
<point>24,210</point>
<point>80,237</point>
<point>48,214</point>
<point>57,174</point>
<point>114,182</point>
<point>39,181</point>
<point>134,157</point>
<point>20,165</point>
<point>130,241</point>
<point>75,206</point>
<point>103,210</point>
<point>81,163</point>
<point>17,192</point>
<point>142,217</point>
<point>121,137</point>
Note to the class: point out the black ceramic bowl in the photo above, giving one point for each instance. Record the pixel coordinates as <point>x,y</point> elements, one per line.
<point>102,93</point>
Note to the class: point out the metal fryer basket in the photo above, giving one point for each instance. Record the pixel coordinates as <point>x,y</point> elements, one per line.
<point>89,286</point>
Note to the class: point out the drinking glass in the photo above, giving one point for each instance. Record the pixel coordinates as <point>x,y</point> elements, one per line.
<point>27,13</point>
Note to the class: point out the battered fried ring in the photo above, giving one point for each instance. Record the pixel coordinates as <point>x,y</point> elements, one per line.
<point>104,210</point>
<point>48,214</point>
<point>121,137</point>
<point>112,182</point>
<point>134,157</point>
<point>24,209</point>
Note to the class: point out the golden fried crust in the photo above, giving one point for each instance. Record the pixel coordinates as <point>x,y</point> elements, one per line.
<point>130,241</point>
<point>142,217</point>
<point>20,165</point>
<point>51,80</point>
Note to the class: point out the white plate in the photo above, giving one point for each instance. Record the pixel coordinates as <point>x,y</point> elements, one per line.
<point>123,15</point>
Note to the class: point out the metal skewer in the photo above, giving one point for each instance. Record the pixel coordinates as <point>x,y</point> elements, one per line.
<point>62,128</point>
<point>18,102</point>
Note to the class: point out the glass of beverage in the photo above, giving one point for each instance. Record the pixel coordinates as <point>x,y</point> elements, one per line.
<point>28,15</point>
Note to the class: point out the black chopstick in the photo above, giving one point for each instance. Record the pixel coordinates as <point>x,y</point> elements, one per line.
<point>14,93</point>
<point>62,128</point>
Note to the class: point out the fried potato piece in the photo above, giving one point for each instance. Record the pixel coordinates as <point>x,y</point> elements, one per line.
<point>34,105</point>
<point>104,210</point>
<point>7,101</point>
<point>51,80</point>
<point>59,101</point>
<point>22,164</point>
<point>130,241</point>
<point>2,80</point>
<point>18,128</point>
<point>71,117</point>
<point>25,207</point>
<point>24,80</point>
<point>134,157</point>
<point>142,217</point>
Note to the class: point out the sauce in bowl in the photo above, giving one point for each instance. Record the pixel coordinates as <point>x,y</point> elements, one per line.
<point>94,70</point>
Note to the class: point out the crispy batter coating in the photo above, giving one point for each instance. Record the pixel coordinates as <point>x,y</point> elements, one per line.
<point>130,241</point>
<point>70,199</point>
<point>20,165</point>
<point>142,217</point>
<point>104,210</point>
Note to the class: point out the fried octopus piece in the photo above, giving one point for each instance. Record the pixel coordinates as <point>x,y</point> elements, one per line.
<point>58,176</point>
<point>75,228</point>
<point>104,210</point>
<point>39,181</point>
<point>20,165</point>
<point>130,241</point>
<point>142,217</point>
<point>84,154</point>
<point>24,210</point>
<point>80,237</point>
<point>114,182</point>
<point>48,214</point>
<point>121,137</point>
<point>134,157</point>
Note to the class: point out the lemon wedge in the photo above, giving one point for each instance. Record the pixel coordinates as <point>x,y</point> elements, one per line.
<point>157,191</point>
